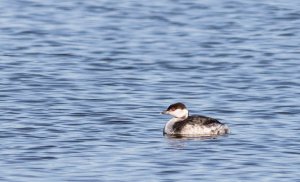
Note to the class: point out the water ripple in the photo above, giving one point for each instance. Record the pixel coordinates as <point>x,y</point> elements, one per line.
<point>83,83</point>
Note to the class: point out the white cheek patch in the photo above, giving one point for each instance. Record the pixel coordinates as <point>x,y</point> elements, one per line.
<point>179,113</point>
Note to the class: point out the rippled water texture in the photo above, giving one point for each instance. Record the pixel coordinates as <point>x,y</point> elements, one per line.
<point>83,83</point>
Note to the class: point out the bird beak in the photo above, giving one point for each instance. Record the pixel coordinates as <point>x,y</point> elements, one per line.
<point>165,112</point>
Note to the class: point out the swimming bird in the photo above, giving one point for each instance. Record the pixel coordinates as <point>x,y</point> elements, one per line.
<point>183,124</point>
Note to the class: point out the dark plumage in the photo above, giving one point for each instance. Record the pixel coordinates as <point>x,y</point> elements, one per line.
<point>195,120</point>
<point>175,106</point>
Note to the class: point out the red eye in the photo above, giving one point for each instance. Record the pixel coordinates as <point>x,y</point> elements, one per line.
<point>173,109</point>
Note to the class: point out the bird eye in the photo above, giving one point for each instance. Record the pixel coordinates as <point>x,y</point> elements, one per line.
<point>173,109</point>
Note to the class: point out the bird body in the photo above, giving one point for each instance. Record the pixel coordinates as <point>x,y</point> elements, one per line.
<point>183,124</point>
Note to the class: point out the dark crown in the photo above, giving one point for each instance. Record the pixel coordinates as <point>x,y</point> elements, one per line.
<point>175,106</point>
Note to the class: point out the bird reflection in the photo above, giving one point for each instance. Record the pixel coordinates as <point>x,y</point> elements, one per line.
<point>180,141</point>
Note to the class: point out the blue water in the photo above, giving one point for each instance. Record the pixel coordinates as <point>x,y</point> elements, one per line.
<point>82,84</point>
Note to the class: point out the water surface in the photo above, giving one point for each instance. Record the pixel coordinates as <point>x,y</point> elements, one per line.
<point>83,83</point>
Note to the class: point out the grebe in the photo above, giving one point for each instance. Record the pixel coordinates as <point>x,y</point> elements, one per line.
<point>183,124</point>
